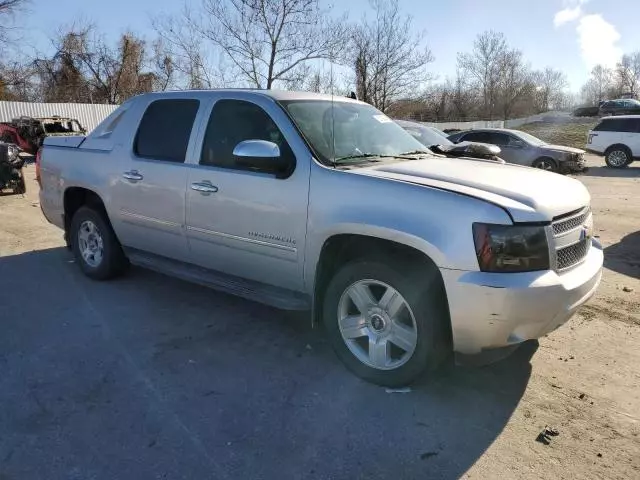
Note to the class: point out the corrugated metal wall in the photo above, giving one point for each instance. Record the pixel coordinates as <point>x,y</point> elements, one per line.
<point>89,115</point>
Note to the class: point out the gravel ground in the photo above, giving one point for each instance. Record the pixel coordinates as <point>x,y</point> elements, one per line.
<point>149,377</point>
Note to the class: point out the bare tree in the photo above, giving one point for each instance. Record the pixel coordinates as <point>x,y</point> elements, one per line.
<point>514,81</point>
<point>84,67</point>
<point>264,41</point>
<point>550,88</point>
<point>598,85</point>
<point>162,66</point>
<point>8,10</point>
<point>483,65</point>
<point>388,60</point>
<point>627,73</point>
<point>194,65</point>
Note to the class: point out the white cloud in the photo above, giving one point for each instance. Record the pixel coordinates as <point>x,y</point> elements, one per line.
<point>598,41</point>
<point>567,15</point>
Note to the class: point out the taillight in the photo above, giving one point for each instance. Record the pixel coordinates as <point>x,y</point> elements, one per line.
<point>38,156</point>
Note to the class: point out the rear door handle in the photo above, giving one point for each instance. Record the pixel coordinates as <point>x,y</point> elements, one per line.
<point>204,187</point>
<point>132,175</point>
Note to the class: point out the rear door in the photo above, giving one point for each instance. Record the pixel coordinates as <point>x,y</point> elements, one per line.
<point>633,136</point>
<point>149,186</point>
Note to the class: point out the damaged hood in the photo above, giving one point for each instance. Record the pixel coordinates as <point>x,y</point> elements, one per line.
<point>528,194</point>
<point>562,148</point>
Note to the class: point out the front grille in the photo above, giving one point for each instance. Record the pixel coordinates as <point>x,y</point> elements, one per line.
<point>573,254</point>
<point>566,224</point>
<point>570,242</point>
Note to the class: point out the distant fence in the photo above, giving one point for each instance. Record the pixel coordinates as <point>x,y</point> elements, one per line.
<point>550,117</point>
<point>89,115</point>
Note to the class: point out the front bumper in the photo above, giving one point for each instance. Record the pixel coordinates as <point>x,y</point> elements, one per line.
<point>571,166</point>
<point>493,310</point>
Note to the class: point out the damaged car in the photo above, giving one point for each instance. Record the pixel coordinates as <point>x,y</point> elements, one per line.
<point>28,133</point>
<point>437,141</point>
<point>522,148</point>
<point>11,163</point>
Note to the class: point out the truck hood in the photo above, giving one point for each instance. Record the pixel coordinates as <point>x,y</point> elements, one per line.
<point>528,194</point>
<point>562,148</point>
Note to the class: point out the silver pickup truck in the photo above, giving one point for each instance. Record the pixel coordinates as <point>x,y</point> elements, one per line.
<point>311,202</point>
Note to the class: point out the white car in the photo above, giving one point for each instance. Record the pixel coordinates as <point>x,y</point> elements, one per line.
<point>617,138</point>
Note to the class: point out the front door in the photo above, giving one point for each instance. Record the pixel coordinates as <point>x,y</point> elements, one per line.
<point>149,185</point>
<point>246,222</point>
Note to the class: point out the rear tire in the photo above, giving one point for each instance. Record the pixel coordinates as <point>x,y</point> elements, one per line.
<point>545,163</point>
<point>95,246</point>
<point>401,332</point>
<point>618,156</point>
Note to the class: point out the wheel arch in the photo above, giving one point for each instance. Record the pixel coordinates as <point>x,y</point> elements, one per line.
<point>341,248</point>
<point>76,197</point>
<point>622,146</point>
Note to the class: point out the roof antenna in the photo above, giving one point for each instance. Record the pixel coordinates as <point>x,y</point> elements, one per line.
<point>333,125</point>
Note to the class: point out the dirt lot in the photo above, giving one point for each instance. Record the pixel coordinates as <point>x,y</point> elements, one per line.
<point>150,377</point>
<point>569,131</point>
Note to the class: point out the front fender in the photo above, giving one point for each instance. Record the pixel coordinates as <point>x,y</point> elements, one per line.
<point>435,222</point>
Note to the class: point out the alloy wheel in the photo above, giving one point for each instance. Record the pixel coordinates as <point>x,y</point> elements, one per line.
<point>377,324</point>
<point>90,243</point>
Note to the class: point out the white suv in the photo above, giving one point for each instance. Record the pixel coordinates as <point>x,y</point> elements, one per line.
<point>617,138</point>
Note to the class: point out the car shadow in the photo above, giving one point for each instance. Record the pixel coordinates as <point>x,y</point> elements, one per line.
<point>624,256</point>
<point>631,171</point>
<point>123,377</point>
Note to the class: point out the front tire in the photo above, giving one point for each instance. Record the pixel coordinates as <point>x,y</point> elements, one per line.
<point>544,163</point>
<point>95,246</point>
<point>386,324</point>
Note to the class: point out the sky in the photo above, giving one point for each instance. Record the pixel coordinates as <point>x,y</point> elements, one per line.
<point>570,35</point>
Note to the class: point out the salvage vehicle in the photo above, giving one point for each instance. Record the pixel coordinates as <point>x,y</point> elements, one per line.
<point>28,133</point>
<point>522,148</point>
<point>313,202</point>
<point>437,141</point>
<point>11,164</point>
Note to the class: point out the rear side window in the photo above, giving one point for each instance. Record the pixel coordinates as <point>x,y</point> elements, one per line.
<point>165,129</point>
<point>618,125</point>
<point>481,137</point>
<point>499,139</point>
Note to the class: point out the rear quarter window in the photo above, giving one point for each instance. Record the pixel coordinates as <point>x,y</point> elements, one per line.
<point>618,125</point>
<point>165,130</point>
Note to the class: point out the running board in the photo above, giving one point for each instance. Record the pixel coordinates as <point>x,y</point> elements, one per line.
<point>277,297</point>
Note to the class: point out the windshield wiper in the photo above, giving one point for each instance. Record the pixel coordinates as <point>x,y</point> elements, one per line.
<point>359,156</point>
<point>416,152</point>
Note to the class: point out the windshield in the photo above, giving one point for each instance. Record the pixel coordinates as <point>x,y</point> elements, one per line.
<point>536,142</point>
<point>344,130</point>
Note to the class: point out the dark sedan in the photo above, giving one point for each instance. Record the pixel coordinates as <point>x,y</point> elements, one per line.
<point>524,149</point>
<point>622,106</point>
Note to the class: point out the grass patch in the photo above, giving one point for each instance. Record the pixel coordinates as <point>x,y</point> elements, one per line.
<point>572,134</point>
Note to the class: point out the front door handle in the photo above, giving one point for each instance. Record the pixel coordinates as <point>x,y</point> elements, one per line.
<point>132,175</point>
<point>204,187</point>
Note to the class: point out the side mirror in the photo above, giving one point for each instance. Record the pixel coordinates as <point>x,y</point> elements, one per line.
<point>261,156</point>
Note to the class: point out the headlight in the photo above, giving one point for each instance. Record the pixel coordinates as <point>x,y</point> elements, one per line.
<point>511,248</point>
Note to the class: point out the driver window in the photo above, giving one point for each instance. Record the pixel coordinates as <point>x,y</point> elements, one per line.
<point>233,121</point>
